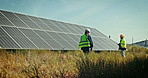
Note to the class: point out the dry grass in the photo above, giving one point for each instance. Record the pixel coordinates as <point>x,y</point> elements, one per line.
<point>37,64</point>
<point>72,64</point>
<point>112,65</point>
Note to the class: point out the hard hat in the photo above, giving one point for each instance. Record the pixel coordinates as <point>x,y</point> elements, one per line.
<point>121,35</point>
<point>87,30</point>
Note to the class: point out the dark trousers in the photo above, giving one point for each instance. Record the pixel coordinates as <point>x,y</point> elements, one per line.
<point>86,49</point>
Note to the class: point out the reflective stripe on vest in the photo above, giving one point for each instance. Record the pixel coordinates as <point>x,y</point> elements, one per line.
<point>123,43</point>
<point>84,41</point>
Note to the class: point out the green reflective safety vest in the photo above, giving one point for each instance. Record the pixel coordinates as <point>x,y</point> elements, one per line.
<point>123,43</point>
<point>84,41</point>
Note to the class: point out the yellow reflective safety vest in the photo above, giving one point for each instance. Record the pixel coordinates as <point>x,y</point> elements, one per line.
<point>84,42</point>
<point>123,43</point>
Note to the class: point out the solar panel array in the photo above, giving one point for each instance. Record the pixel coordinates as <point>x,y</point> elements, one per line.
<point>18,31</point>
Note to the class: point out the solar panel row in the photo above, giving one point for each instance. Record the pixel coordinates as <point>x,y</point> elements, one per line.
<point>18,31</point>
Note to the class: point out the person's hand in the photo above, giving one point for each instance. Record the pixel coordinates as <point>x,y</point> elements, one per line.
<point>91,49</point>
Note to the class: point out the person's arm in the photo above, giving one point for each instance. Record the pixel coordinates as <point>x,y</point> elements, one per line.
<point>91,42</point>
<point>119,44</point>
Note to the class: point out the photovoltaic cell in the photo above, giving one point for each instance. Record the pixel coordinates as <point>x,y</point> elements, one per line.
<point>74,37</point>
<point>9,14</point>
<point>69,39</point>
<point>98,33</point>
<point>18,31</point>
<point>27,21</point>
<point>19,37</point>
<point>35,19</point>
<point>35,39</point>
<point>101,41</point>
<point>44,26</point>
<point>39,23</point>
<point>59,27</point>
<point>51,25</point>
<point>48,24</point>
<point>92,32</point>
<point>32,25</point>
<point>23,17</point>
<point>4,21</point>
<point>80,31</point>
<point>6,41</point>
<point>62,26</point>
<point>109,42</point>
<point>52,42</point>
<point>97,46</point>
<point>16,21</point>
<point>71,29</point>
<point>66,45</point>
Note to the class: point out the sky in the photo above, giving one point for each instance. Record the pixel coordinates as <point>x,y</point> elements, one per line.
<point>111,17</point>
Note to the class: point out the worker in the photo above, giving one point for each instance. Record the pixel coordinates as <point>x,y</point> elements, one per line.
<point>122,45</point>
<point>86,43</point>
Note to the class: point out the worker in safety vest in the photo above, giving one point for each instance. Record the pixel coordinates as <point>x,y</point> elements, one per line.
<point>122,45</point>
<point>86,43</point>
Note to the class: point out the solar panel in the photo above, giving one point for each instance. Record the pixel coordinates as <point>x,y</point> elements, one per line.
<point>99,43</point>
<point>61,26</point>
<point>4,21</point>
<point>19,37</point>
<point>98,33</point>
<point>69,39</point>
<point>51,41</point>
<point>72,30</point>
<point>44,26</point>
<point>18,31</point>
<point>15,20</point>
<point>74,37</point>
<point>37,40</point>
<point>39,23</point>
<point>62,41</point>
<point>6,41</point>
<point>51,25</point>
<point>98,46</point>
<point>77,29</point>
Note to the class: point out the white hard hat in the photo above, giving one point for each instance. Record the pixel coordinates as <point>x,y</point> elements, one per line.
<point>87,29</point>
